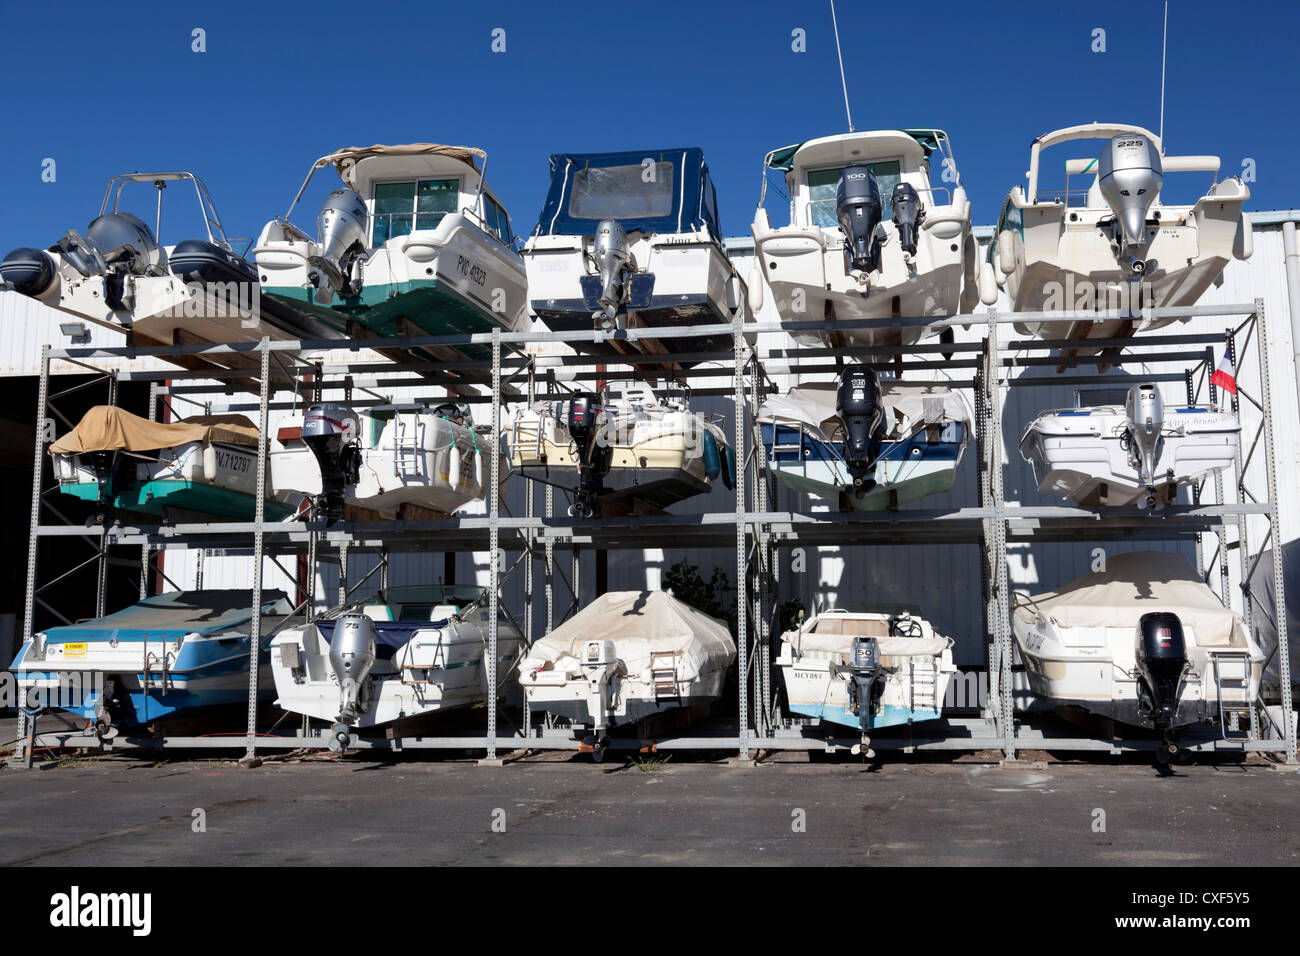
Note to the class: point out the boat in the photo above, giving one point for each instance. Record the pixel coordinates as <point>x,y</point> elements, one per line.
<point>204,466</point>
<point>866,669</point>
<point>413,242</point>
<point>631,240</point>
<point>865,444</point>
<point>406,652</point>
<point>118,275</point>
<point>1136,453</point>
<point>169,656</point>
<point>626,657</point>
<point>1142,642</point>
<point>626,450</point>
<point>1114,245</point>
<point>387,459</point>
<point>869,237</point>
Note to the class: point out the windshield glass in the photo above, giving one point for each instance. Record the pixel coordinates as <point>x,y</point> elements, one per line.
<point>622,192</point>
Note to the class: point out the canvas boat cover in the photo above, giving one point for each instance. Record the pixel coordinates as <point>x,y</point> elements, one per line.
<point>839,638</point>
<point>907,407</point>
<point>639,623</point>
<point>344,159</point>
<point>1136,584</point>
<point>107,428</point>
<point>173,615</point>
<point>783,158</point>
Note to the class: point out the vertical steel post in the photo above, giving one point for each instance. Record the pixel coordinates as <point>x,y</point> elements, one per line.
<point>1243,529</point>
<point>44,431</point>
<point>1220,533</point>
<point>494,550</point>
<point>101,567</point>
<point>742,595</point>
<point>259,515</point>
<point>998,572</point>
<point>530,541</point>
<point>144,548</point>
<point>1275,528</point>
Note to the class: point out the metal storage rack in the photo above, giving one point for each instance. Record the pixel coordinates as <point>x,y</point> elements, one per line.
<point>755,530</point>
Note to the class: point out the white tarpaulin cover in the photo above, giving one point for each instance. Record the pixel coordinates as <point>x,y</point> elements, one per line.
<point>906,407</point>
<point>839,639</point>
<point>639,623</point>
<point>1137,584</point>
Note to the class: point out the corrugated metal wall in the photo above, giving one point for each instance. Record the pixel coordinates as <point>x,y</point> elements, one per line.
<point>942,581</point>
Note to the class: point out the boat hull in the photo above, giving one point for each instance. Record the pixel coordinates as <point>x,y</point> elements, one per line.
<point>634,699</point>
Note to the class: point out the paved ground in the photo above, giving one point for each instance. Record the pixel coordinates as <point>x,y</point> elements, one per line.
<point>570,811</point>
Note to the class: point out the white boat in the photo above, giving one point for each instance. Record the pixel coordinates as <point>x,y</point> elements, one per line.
<point>412,243</point>
<point>865,444</point>
<point>625,450</point>
<point>869,236</point>
<point>1114,244</point>
<point>1139,453</point>
<point>1143,642</point>
<point>866,669</point>
<point>631,240</point>
<point>119,276</point>
<point>383,459</point>
<point>627,656</point>
<point>205,465</point>
<point>171,655</point>
<point>407,652</point>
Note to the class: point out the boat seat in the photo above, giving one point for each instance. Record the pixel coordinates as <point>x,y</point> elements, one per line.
<point>851,627</point>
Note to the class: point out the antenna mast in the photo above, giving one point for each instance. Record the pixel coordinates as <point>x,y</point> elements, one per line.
<point>845,85</point>
<point>1164,44</point>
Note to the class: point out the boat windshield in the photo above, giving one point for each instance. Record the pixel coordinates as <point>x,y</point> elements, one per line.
<point>622,192</point>
<point>416,603</point>
<point>822,184</point>
<point>404,207</point>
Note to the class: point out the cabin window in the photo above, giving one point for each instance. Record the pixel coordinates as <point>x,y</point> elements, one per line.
<point>496,220</point>
<point>401,208</point>
<point>822,184</point>
<point>622,192</point>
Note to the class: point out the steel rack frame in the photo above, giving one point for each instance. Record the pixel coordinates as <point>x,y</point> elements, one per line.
<point>755,529</point>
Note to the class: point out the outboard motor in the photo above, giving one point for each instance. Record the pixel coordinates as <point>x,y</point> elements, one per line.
<point>613,259</point>
<point>1145,410</point>
<point>29,272</point>
<point>863,420</point>
<point>594,452</point>
<point>1129,175</point>
<point>330,431</point>
<point>858,209</point>
<point>909,214</point>
<point>865,664</point>
<point>1161,661</point>
<point>352,655</point>
<point>341,229</point>
<point>117,246</point>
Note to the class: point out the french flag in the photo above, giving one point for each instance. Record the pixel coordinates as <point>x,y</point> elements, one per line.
<point>1223,376</point>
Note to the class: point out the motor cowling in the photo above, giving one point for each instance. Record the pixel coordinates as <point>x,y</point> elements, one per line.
<point>862,418</point>
<point>342,226</point>
<point>865,664</point>
<point>1161,660</point>
<point>1129,175</point>
<point>613,256</point>
<point>594,453</point>
<point>331,432</point>
<point>858,210</point>
<point>1145,410</point>
<point>352,655</point>
<point>909,214</point>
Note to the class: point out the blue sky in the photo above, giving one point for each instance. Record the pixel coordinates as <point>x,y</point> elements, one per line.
<point>103,88</point>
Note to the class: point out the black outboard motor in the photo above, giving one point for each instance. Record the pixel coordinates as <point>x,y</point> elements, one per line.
<point>594,455</point>
<point>1161,661</point>
<point>330,431</point>
<point>858,209</point>
<point>864,687</point>
<point>863,420</point>
<point>909,214</point>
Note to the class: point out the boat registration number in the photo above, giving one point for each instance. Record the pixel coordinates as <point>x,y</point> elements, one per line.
<point>74,650</point>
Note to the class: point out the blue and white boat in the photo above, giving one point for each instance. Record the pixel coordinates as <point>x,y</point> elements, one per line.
<point>170,655</point>
<point>865,444</point>
<point>866,670</point>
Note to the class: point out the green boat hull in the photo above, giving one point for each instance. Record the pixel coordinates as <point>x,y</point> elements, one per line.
<point>151,497</point>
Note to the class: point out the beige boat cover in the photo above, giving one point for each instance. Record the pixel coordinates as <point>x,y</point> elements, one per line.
<point>835,633</point>
<point>107,428</point>
<point>639,623</point>
<point>1136,584</point>
<point>906,407</point>
<point>344,159</point>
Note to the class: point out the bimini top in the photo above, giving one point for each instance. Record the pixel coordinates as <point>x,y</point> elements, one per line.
<point>171,616</point>
<point>1133,585</point>
<point>927,139</point>
<point>651,191</point>
<point>344,159</point>
<point>108,428</point>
